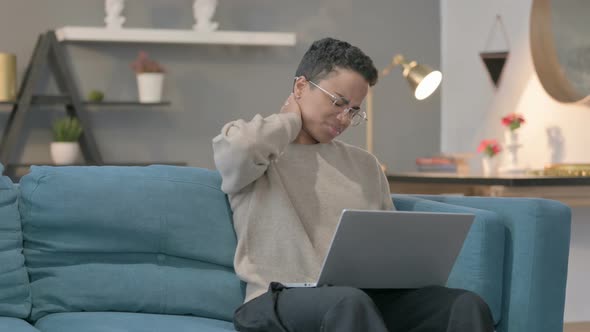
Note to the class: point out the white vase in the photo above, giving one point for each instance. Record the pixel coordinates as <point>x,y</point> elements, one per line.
<point>489,165</point>
<point>511,137</point>
<point>64,153</point>
<point>512,143</point>
<point>150,87</point>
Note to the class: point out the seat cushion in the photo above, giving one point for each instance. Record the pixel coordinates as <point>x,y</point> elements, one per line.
<point>15,298</point>
<point>129,322</point>
<point>9,324</point>
<point>156,239</point>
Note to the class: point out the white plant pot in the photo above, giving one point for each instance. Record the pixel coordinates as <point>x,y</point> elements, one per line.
<point>150,87</point>
<point>490,165</point>
<point>65,153</point>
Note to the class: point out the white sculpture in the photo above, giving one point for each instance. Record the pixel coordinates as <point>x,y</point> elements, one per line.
<point>113,9</point>
<point>203,11</point>
<point>555,140</point>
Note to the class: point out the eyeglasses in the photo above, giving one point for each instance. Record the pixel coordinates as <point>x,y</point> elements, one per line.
<point>355,114</point>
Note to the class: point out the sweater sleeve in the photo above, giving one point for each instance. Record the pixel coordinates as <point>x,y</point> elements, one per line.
<point>387,203</point>
<point>243,150</point>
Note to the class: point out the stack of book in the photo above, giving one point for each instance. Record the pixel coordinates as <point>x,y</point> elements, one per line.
<point>440,164</point>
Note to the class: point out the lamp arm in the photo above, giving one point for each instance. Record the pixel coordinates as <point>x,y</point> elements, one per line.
<point>397,60</point>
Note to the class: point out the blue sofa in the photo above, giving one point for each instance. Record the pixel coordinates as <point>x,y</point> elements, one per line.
<point>126,249</point>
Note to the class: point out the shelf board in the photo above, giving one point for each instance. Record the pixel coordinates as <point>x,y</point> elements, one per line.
<point>135,163</point>
<point>174,36</point>
<point>124,103</point>
<point>65,100</point>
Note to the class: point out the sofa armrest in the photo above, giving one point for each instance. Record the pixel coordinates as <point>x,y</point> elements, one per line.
<point>536,261</point>
<point>479,265</point>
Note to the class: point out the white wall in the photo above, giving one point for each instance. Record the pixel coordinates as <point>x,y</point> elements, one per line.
<point>470,98</point>
<point>472,109</point>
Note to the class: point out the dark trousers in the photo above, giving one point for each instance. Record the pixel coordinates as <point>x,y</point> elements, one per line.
<point>346,309</point>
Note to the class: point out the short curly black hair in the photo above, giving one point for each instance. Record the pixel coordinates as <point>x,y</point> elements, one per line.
<point>327,54</point>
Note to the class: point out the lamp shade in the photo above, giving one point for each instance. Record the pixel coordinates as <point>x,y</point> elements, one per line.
<point>422,79</point>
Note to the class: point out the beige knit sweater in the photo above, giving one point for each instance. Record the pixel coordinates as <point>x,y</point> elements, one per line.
<point>287,198</point>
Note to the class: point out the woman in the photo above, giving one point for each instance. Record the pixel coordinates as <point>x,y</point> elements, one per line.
<point>288,179</point>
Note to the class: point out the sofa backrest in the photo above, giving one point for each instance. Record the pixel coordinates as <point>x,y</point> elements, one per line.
<point>15,296</point>
<point>155,239</point>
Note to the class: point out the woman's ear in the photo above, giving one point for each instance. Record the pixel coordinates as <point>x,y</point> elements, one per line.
<point>299,86</point>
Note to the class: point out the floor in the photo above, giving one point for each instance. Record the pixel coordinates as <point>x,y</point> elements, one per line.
<point>577,327</point>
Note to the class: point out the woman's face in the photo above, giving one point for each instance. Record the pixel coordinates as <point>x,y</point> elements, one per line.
<point>322,119</point>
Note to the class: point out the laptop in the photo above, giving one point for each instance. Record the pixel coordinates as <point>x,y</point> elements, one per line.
<point>393,249</point>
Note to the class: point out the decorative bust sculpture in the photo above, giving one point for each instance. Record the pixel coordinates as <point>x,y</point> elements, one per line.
<point>113,9</point>
<point>203,11</point>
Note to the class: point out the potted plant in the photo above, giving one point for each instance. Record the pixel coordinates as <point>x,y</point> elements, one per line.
<point>512,122</point>
<point>65,148</point>
<point>150,78</point>
<point>96,96</point>
<point>490,148</point>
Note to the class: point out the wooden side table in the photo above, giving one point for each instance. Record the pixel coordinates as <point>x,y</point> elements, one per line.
<point>573,191</point>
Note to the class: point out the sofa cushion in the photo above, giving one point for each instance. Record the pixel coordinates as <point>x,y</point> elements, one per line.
<point>129,322</point>
<point>15,298</point>
<point>155,239</point>
<point>10,324</point>
<point>480,264</point>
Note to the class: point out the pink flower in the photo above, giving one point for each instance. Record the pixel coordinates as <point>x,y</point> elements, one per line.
<point>143,64</point>
<point>490,147</point>
<point>513,121</point>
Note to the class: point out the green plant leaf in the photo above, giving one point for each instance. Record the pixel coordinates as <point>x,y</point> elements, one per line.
<point>67,129</point>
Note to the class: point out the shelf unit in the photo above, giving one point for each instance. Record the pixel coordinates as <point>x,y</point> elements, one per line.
<point>174,36</point>
<point>48,52</point>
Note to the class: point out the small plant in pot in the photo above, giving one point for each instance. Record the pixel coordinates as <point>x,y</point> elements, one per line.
<point>490,148</point>
<point>150,78</point>
<point>65,149</point>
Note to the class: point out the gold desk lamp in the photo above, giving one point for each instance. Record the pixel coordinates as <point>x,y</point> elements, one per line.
<point>422,79</point>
